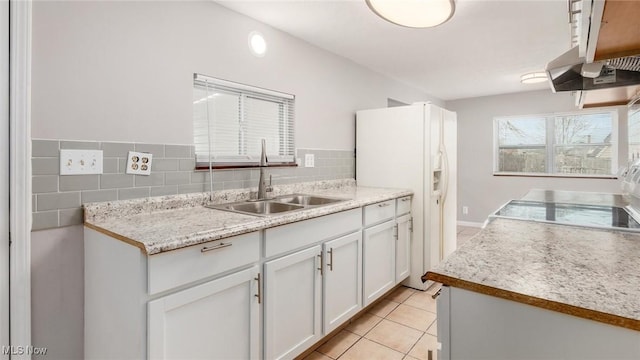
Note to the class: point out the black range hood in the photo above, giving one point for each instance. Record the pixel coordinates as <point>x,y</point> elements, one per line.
<point>565,73</point>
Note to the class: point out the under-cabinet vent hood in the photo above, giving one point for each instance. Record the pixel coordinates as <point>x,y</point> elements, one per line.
<point>569,72</point>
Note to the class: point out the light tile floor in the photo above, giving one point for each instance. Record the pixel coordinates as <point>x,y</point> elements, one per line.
<point>401,326</point>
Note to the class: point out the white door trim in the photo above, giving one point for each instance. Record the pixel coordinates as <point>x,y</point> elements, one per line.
<point>20,174</point>
<point>4,177</point>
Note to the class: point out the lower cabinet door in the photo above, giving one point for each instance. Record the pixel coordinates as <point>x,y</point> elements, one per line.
<point>216,320</point>
<point>342,280</point>
<point>379,249</point>
<point>293,305</point>
<point>403,246</point>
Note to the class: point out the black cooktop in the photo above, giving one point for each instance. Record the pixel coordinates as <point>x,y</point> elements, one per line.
<point>584,215</point>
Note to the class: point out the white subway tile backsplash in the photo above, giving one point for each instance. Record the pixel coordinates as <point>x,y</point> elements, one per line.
<point>164,165</point>
<point>45,148</point>
<point>44,184</point>
<point>79,182</point>
<point>114,181</point>
<point>45,166</point>
<point>133,193</point>
<point>54,201</point>
<point>98,196</point>
<point>177,178</point>
<point>117,149</point>
<point>177,151</point>
<point>57,198</point>
<point>45,220</point>
<point>156,149</point>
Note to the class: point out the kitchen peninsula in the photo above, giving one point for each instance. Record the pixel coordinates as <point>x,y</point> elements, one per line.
<point>523,289</point>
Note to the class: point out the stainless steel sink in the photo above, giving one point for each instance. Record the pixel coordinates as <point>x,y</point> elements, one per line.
<point>306,200</point>
<point>278,205</point>
<point>264,207</point>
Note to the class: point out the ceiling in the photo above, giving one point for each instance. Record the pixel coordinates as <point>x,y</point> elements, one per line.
<point>482,50</point>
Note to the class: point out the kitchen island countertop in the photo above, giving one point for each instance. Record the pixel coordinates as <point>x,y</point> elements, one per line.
<point>578,271</point>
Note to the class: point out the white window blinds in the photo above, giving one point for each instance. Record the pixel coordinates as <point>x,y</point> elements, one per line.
<point>230,120</point>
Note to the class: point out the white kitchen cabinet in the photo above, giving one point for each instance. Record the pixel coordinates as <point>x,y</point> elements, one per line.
<point>216,320</point>
<point>379,249</point>
<point>403,247</point>
<point>293,303</point>
<point>478,326</point>
<point>342,280</point>
<point>194,302</point>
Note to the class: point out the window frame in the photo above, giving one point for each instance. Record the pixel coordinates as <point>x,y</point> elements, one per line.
<point>550,144</point>
<point>244,91</point>
<point>633,109</point>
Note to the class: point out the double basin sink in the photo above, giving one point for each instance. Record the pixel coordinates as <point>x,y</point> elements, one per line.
<point>277,205</point>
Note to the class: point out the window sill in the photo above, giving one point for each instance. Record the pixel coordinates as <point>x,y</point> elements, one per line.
<point>229,166</point>
<point>542,175</point>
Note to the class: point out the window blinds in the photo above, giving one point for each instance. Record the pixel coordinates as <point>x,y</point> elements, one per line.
<point>231,119</point>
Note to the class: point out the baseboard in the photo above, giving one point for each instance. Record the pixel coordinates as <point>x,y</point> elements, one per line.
<point>470,224</point>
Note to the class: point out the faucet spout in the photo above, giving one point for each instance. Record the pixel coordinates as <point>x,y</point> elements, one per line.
<point>263,188</point>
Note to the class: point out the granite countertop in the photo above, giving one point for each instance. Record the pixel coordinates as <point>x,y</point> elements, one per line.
<point>579,271</point>
<point>162,224</point>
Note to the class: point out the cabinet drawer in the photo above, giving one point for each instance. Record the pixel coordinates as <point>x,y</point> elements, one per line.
<point>379,212</point>
<point>285,238</point>
<point>403,205</point>
<point>178,267</point>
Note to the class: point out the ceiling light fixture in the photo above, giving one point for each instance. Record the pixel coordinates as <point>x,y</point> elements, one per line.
<point>533,77</point>
<point>257,44</point>
<point>413,13</point>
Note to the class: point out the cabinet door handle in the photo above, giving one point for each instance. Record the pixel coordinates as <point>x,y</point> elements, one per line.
<point>405,199</point>
<point>330,264</point>
<point>411,224</point>
<point>215,247</point>
<point>383,205</point>
<point>259,294</point>
<point>321,262</point>
<point>395,231</point>
<point>435,296</point>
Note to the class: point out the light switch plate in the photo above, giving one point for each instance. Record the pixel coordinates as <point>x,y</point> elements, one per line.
<point>80,162</point>
<point>309,160</point>
<point>139,163</point>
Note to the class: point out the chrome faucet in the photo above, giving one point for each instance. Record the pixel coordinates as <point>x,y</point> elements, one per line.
<point>263,188</point>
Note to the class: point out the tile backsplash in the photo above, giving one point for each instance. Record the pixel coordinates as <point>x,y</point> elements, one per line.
<point>57,200</point>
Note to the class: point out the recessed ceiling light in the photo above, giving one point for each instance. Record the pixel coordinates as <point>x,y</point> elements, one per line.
<point>534,77</point>
<point>257,44</point>
<point>413,13</point>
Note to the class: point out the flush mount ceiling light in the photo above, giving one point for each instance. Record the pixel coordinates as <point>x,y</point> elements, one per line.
<point>257,44</point>
<point>413,13</point>
<point>534,77</point>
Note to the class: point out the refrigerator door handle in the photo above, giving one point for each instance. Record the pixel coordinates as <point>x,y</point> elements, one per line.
<point>444,188</point>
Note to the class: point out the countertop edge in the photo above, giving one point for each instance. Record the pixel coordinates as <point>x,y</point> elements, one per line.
<point>257,224</point>
<point>534,301</point>
<point>116,236</point>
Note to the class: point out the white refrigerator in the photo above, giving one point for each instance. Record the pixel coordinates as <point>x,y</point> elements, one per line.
<point>414,147</point>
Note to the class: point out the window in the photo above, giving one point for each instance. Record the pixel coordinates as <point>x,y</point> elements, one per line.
<point>230,120</point>
<point>634,130</point>
<point>582,144</point>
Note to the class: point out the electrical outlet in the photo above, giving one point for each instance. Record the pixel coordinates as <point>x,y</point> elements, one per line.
<point>309,160</point>
<point>80,162</point>
<point>139,163</point>
<point>465,210</point>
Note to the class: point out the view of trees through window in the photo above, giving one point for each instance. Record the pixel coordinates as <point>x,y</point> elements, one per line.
<point>556,144</point>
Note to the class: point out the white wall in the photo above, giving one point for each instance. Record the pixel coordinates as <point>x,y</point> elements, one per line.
<point>122,71</point>
<point>477,187</point>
